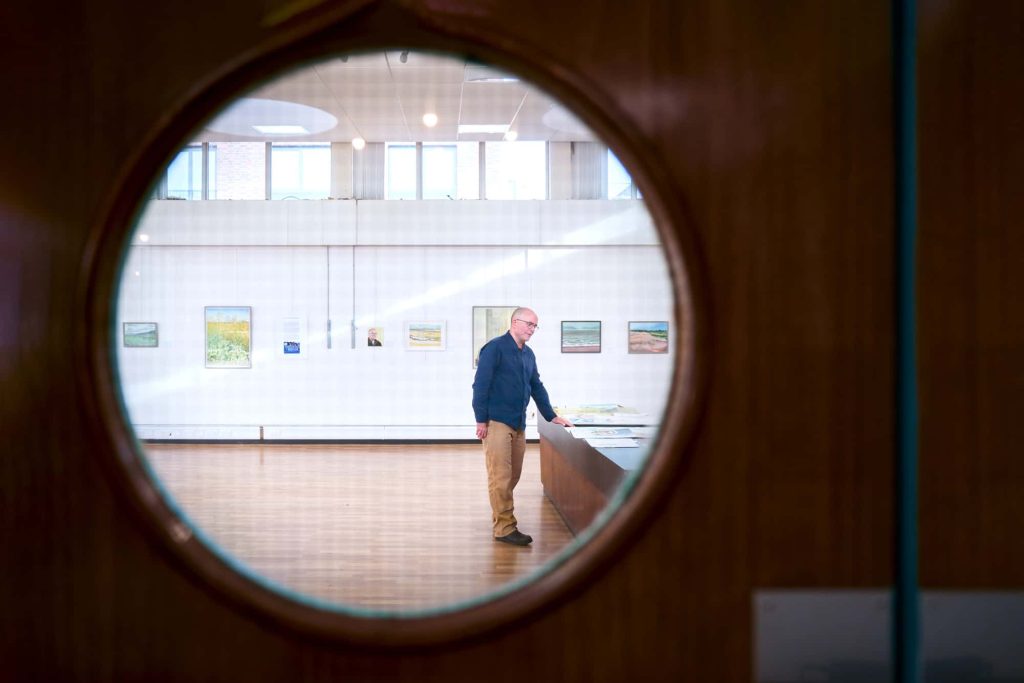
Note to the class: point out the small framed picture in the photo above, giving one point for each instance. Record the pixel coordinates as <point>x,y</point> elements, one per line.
<point>425,335</point>
<point>648,337</point>
<point>139,335</point>
<point>375,336</point>
<point>581,336</point>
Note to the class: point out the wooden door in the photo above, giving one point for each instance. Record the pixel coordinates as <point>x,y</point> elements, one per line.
<point>766,130</point>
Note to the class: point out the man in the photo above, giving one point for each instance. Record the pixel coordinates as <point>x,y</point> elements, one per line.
<point>506,378</point>
<point>371,337</point>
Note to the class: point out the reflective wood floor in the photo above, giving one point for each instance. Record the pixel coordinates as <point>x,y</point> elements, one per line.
<point>393,527</point>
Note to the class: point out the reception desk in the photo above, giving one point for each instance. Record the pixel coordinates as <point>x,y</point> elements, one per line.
<point>579,479</point>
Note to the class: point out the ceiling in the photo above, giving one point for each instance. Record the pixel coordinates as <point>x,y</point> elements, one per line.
<point>381,98</point>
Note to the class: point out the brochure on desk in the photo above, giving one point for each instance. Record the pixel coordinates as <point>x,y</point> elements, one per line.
<point>612,443</point>
<point>602,414</point>
<point>612,437</point>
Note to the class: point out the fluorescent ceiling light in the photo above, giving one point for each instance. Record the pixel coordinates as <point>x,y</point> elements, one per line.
<point>483,127</point>
<point>284,129</point>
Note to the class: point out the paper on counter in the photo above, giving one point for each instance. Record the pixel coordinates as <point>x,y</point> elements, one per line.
<point>603,432</point>
<point>612,443</point>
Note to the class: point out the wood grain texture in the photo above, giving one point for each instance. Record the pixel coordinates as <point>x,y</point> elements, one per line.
<point>372,527</point>
<point>572,493</point>
<point>766,125</point>
<point>971,284</point>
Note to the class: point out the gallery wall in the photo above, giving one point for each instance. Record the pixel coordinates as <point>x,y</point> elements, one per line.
<point>383,264</point>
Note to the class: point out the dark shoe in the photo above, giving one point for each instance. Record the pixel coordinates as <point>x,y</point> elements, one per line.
<point>515,538</point>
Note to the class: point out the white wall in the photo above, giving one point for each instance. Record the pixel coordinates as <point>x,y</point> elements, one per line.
<point>378,263</point>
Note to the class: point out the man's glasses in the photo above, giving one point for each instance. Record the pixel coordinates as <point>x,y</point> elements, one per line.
<point>532,326</point>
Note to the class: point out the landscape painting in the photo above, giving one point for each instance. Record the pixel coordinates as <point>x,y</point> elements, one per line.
<point>581,336</point>
<point>489,322</point>
<point>140,335</point>
<point>648,337</point>
<point>425,336</point>
<point>228,336</point>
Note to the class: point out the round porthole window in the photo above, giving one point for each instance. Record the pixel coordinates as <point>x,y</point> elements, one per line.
<point>395,346</point>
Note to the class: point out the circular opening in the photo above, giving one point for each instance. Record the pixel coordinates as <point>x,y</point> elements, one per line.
<point>298,374</point>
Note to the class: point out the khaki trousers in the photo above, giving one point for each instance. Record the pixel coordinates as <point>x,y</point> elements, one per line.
<point>504,449</point>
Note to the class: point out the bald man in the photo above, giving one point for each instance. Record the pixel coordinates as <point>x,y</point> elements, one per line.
<point>506,378</point>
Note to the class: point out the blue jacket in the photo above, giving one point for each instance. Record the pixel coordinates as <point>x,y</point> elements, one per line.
<point>506,378</point>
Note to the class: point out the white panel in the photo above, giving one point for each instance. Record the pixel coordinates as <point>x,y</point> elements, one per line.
<point>339,221</point>
<point>170,384</point>
<point>248,223</point>
<point>613,285</point>
<point>449,222</point>
<point>350,386</point>
<point>581,222</point>
<point>304,222</point>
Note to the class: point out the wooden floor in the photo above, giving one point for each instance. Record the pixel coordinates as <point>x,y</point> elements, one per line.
<point>393,527</point>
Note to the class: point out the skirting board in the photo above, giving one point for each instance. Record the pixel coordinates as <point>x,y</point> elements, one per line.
<point>311,432</point>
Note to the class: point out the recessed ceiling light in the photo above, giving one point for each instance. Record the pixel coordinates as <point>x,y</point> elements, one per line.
<point>143,237</point>
<point>483,127</point>
<point>511,136</point>
<point>282,129</point>
<point>358,143</point>
<point>430,119</point>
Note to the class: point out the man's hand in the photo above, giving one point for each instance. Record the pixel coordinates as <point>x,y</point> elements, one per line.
<point>481,430</point>
<point>561,421</point>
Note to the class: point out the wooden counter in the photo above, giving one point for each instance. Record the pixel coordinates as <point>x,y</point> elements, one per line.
<point>579,479</point>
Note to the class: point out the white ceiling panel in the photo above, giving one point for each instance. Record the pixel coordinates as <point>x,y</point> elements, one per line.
<point>378,96</point>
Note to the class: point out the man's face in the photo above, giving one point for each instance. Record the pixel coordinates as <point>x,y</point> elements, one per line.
<point>373,333</point>
<point>526,325</point>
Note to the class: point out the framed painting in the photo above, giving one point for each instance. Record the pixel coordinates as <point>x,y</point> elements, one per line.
<point>139,335</point>
<point>228,336</point>
<point>489,322</point>
<point>375,336</point>
<point>425,335</point>
<point>648,337</point>
<point>581,336</point>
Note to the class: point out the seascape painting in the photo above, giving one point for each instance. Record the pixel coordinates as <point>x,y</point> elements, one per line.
<point>228,336</point>
<point>648,337</point>
<point>581,336</point>
<point>140,335</point>
<point>425,336</point>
